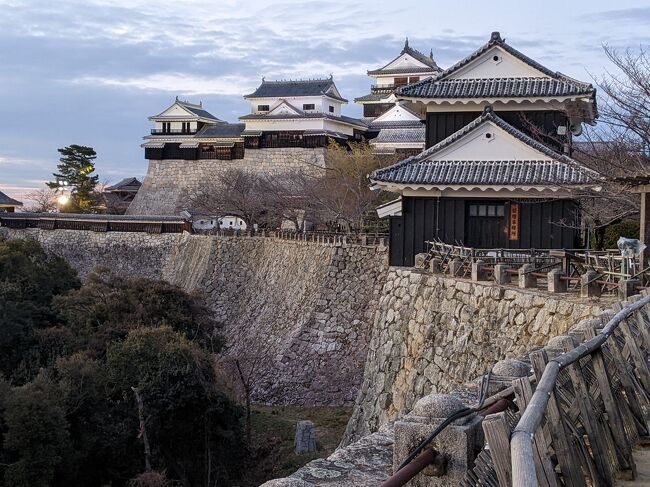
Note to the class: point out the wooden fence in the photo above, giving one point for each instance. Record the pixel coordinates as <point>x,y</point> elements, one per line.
<point>606,268</point>
<point>589,408</point>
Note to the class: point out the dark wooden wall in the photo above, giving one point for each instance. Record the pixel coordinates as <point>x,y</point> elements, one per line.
<point>441,125</point>
<point>447,219</point>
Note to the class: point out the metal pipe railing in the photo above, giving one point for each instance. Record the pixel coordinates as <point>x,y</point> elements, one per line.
<point>521,441</point>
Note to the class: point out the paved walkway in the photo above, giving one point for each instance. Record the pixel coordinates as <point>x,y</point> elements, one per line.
<point>642,460</point>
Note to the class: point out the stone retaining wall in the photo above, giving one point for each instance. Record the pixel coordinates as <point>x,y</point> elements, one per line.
<point>431,333</point>
<point>168,181</point>
<point>303,310</point>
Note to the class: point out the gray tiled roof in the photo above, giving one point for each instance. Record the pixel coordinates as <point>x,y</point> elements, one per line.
<point>341,118</point>
<point>557,170</point>
<point>423,58</point>
<point>221,130</point>
<point>396,124</point>
<point>199,111</point>
<point>401,135</point>
<point>495,88</point>
<point>125,184</point>
<point>414,69</point>
<point>441,86</point>
<point>310,87</point>
<point>507,173</point>
<point>373,97</point>
<point>6,200</point>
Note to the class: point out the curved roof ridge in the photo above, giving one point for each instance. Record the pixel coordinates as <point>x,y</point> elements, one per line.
<point>495,40</point>
<point>488,115</point>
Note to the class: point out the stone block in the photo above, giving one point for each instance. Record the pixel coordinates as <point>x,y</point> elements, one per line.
<point>420,259</point>
<point>588,285</point>
<point>526,279</point>
<point>305,441</point>
<point>501,274</point>
<point>628,288</point>
<point>455,444</point>
<point>454,267</point>
<point>555,282</point>
<point>435,265</point>
<point>478,273</point>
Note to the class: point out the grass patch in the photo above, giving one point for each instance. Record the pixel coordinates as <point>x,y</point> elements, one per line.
<point>273,434</point>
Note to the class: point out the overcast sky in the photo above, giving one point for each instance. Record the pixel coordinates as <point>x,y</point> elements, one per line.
<point>91,71</point>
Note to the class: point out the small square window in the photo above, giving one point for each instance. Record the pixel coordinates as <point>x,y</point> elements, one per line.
<point>482,210</point>
<point>473,211</point>
<point>331,109</point>
<point>501,210</point>
<point>492,210</point>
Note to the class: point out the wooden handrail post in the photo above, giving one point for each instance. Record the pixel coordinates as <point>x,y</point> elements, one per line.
<point>590,423</point>
<point>497,435</point>
<point>571,473</point>
<point>543,467</point>
<point>615,419</point>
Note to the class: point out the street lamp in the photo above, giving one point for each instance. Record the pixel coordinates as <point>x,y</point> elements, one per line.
<point>63,199</point>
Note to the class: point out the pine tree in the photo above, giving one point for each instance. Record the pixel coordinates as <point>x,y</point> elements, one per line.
<point>76,165</point>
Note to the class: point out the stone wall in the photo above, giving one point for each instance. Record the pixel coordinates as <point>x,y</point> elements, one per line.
<point>129,253</point>
<point>167,182</point>
<point>431,333</point>
<point>303,308</point>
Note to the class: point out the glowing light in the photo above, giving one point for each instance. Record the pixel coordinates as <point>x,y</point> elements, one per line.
<point>63,200</point>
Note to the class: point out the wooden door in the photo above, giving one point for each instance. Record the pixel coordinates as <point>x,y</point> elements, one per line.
<point>486,225</point>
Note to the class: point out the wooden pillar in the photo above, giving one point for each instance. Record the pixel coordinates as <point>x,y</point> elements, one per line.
<point>644,230</point>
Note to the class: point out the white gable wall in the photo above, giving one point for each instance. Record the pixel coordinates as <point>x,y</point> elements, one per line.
<point>397,114</point>
<point>506,66</point>
<point>500,146</point>
<point>177,111</point>
<point>405,61</point>
<point>321,103</point>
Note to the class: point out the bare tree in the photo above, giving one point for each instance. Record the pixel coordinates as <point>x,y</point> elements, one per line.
<point>619,147</point>
<point>250,368</point>
<point>43,201</point>
<point>235,192</point>
<point>344,194</point>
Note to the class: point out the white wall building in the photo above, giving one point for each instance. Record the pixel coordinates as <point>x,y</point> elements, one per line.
<point>297,113</point>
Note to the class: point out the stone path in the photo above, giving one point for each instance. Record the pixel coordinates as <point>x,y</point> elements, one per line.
<point>642,459</point>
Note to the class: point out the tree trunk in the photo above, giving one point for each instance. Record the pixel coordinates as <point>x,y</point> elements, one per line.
<point>143,430</point>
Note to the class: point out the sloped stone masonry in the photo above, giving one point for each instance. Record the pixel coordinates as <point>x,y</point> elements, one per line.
<point>431,333</point>
<point>167,182</point>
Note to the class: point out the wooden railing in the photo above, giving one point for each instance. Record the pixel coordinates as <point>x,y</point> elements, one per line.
<point>95,223</point>
<point>589,408</point>
<point>606,268</point>
<point>333,238</point>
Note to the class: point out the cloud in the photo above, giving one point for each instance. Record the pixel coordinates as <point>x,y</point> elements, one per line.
<point>179,83</point>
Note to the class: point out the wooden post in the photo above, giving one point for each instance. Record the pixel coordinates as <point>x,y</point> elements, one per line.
<point>614,417</point>
<point>635,354</point>
<point>643,329</point>
<point>644,230</point>
<point>626,383</point>
<point>497,435</point>
<point>543,467</point>
<point>570,469</point>
<point>585,406</point>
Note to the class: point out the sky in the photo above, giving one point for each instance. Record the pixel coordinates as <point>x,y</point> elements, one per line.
<point>90,72</point>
